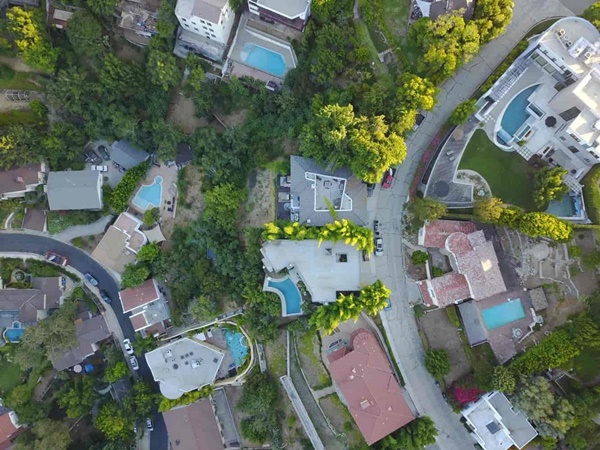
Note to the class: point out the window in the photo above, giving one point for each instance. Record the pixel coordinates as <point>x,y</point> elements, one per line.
<point>208,35</point>
<point>204,27</point>
<point>202,21</point>
<point>213,36</point>
<point>562,138</point>
<point>196,29</point>
<point>573,149</point>
<point>575,137</point>
<point>183,18</point>
<point>341,257</point>
<point>570,113</point>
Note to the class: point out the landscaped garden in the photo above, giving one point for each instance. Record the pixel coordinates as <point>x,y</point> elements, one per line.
<point>10,375</point>
<point>507,173</point>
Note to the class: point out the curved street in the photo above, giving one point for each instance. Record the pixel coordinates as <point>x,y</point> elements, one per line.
<point>29,243</point>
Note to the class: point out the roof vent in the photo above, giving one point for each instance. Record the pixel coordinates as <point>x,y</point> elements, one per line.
<point>20,180</point>
<point>195,363</point>
<point>175,367</point>
<point>365,404</point>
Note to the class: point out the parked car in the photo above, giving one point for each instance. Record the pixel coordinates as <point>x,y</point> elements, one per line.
<point>105,297</point>
<point>376,227</point>
<point>103,152</point>
<point>57,259</point>
<point>128,346</point>
<point>90,279</point>
<point>100,168</point>
<point>388,179</point>
<point>149,424</point>
<point>379,246</point>
<point>419,120</point>
<point>388,305</point>
<point>92,157</point>
<point>134,363</point>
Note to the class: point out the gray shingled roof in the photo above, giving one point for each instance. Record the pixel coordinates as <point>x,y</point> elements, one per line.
<point>303,194</point>
<point>126,155</point>
<point>473,322</point>
<point>74,189</point>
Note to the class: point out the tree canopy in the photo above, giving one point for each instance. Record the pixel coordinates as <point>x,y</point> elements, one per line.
<point>114,421</point>
<point>258,402</point>
<point>548,185</point>
<point>417,435</point>
<point>422,209</point>
<point>437,362</point>
<point>85,33</point>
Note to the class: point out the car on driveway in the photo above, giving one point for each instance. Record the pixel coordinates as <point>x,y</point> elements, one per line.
<point>149,425</point>
<point>104,153</point>
<point>100,168</point>
<point>134,363</point>
<point>379,246</point>
<point>388,178</point>
<point>376,227</point>
<point>128,346</point>
<point>90,279</point>
<point>105,297</point>
<point>57,259</point>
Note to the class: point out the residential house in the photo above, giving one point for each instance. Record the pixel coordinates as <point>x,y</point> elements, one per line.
<point>121,242</point>
<point>184,365</point>
<point>546,103</point>
<point>326,268</point>
<point>212,19</point>
<point>437,8</point>
<point>74,189</point>
<point>476,274</point>
<point>315,191</point>
<point>17,181</point>
<point>185,155</point>
<point>149,311</point>
<point>138,20</point>
<point>59,14</point>
<point>372,393</point>
<point>126,155</point>
<point>91,332</point>
<point>9,428</point>
<point>495,425</point>
<point>292,13</point>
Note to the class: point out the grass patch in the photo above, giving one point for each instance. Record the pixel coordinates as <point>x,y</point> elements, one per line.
<point>58,222</point>
<point>18,218</point>
<point>9,79</point>
<point>10,376</point>
<point>493,164</point>
<point>22,116</point>
<point>279,166</point>
<point>275,352</point>
<point>587,364</point>
<point>395,15</point>
<point>483,362</point>
<point>306,346</point>
<point>366,38</point>
<point>452,313</point>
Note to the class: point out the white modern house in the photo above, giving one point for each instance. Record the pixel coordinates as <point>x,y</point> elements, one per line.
<point>548,101</point>
<point>292,13</point>
<point>495,425</point>
<point>211,19</point>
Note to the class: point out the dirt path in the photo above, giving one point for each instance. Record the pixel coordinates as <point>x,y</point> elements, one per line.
<point>260,206</point>
<point>16,64</point>
<point>182,114</point>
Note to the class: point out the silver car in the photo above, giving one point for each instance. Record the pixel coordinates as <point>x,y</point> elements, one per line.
<point>379,246</point>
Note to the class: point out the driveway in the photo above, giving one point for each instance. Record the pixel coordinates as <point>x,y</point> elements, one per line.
<point>400,322</point>
<point>28,243</point>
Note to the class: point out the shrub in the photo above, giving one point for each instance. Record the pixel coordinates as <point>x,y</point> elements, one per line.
<point>575,251</point>
<point>437,272</point>
<point>437,362</point>
<point>462,112</point>
<point>419,257</point>
<point>591,194</point>
<point>545,225</point>
<point>186,399</point>
<point>119,198</point>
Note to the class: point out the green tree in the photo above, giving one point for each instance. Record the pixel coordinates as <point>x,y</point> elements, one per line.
<point>115,422</point>
<point>259,403</point>
<point>144,344</point>
<point>492,17</point>
<point>119,199</point>
<point>549,185</point>
<point>142,402</point>
<point>151,216</point>
<point>503,380</point>
<point>116,371</point>
<point>196,77</point>
<point>419,257</point>
<point>488,209</point>
<point>162,69</point>
<point>545,225</point>
<point>417,435</point>
<point>77,397</point>
<point>416,92</point>
<point>102,7</point>
<point>47,435</point>
<point>592,14</point>
<point>422,209</point>
<point>463,111</point>
<point>149,252</point>
<point>62,145</point>
<point>437,362</point>
<point>85,33</point>
<point>223,205</point>
<point>336,137</point>
<point>134,275</point>
<point>552,415</point>
<point>204,308</point>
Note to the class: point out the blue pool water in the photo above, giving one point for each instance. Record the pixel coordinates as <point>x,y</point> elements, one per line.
<point>14,334</point>
<point>149,195</point>
<point>263,59</point>
<point>291,294</point>
<point>562,208</point>
<point>516,114</point>
<point>236,342</point>
<point>503,314</point>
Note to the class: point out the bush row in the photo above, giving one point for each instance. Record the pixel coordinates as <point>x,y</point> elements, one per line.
<point>119,198</point>
<point>591,194</point>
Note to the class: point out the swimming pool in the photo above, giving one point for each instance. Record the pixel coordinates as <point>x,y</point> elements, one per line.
<point>14,334</point>
<point>516,113</point>
<point>236,342</point>
<point>263,59</point>
<point>562,208</point>
<point>290,295</point>
<point>503,314</point>
<point>149,195</point>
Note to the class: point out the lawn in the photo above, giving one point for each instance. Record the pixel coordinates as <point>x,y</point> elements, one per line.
<point>9,79</point>
<point>20,116</point>
<point>10,376</point>
<point>587,364</point>
<point>507,173</point>
<point>363,34</point>
<point>395,15</point>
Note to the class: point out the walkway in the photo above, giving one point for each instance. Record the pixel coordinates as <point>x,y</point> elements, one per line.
<point>90,229</point>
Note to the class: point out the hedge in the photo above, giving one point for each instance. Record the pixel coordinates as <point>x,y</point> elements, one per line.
<point>119,198</point>
<point>591,194</point>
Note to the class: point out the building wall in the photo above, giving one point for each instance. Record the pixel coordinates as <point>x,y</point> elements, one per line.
<point>297,23</point>
<point>218,32</point>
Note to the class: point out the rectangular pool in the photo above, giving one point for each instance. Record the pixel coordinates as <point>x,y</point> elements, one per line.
<point>503,314</point>
<point>263,59</point>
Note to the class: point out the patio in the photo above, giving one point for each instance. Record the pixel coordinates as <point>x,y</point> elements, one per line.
<point>169,189</point>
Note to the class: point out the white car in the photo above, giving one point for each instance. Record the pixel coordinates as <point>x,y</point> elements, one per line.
<point>100,168</point>
<point>379,246</point>
<point>128,346</point>
<point>134,363</point>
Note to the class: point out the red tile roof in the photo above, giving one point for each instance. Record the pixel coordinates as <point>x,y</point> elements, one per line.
<point>138,321</point>
<point>446,290</point>
<point>16,179</point>
<point>135,297</point>
<point>436,232</point>
<point>374,397</point>
<point>8,431</point>
<point>193,427</point>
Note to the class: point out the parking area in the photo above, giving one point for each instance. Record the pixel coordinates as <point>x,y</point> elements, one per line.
<point>98,155</point>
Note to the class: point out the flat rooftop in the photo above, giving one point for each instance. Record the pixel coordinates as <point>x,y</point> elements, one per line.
<point>183,366</point>
<point>325,269</point>
<point>288,8</point>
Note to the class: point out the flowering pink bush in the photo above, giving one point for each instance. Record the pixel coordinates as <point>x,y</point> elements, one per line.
<point>463,395</point>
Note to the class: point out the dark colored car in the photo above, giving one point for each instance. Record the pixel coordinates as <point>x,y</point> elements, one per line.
<point>387,180</point>
<point>57,259</point>
<point>90,279</point>
<point>105,297</point>
<point>376,227</point>
<point>370,189</point>
<point>103,152</point>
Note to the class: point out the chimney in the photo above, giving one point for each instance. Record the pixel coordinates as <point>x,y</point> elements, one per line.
<point>20,180</point>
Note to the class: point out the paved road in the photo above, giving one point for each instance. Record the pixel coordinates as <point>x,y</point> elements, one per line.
<point>400,323</point>
<point>19,242</point>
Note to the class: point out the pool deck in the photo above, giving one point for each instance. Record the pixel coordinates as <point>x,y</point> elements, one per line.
<point>246,34</point>
<point>280,294</point>
<point>169,189</point>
